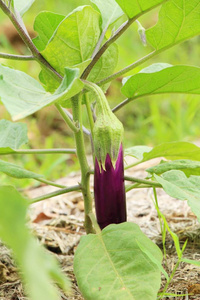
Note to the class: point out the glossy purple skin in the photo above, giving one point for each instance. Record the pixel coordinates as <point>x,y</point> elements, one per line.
<point>109,192</point>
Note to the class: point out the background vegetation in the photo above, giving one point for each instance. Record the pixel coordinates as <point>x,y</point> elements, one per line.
<point>149,121</point>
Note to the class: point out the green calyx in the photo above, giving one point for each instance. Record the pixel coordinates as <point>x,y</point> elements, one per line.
<point>108,130</point>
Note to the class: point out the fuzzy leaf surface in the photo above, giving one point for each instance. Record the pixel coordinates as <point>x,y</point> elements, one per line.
<point>189,167</point>
<point>177,185</point>
<point>22,95</point>
<point>45,24</point>
<point>118,267</point>
<point>163,78</point>
<point>178,21</point>
<point>139,7</point>
<point>37,267</point>
<point>16,171</point>
<point>110,11</point>
<point>22,5</point>
<point>12,136</point>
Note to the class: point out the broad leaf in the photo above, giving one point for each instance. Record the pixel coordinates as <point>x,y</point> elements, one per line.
<point>22,95</point>
<point>137,151</point>
<point>163,78</point>
<point>110,11</point>
<point>37,266</point>
<point>178,21</point>
<point>189,167</point>
<point>12,136</point>
<point>22,5</point>
<point>116,268</point>
<point>16,171</point>
<point>137,8</point>
<point>45,24</point>
<point>173,150</point>
<point>177,185</point>
<point>74,40</point>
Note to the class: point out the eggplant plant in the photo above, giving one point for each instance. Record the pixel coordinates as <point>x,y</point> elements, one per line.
<point>78,56</point>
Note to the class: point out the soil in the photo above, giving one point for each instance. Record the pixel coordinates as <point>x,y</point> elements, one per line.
<point>58,224</point>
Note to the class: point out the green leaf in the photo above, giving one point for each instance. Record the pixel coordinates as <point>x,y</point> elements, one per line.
<point>74,39</point>
<point>23,5</point>
<point>139,7</point>
<point>178,21</point>
<point>12,136</point>
<point>16,171</point>
<point>37,267</point>
<point>22,95</point>
<point>189,167</point>
<point>110,11</point>
<point>137,151</point>
<point>116,268</point>
<point>173,150</point>
<point>163,78</point>
<point>45,24</point>
<point>177,185</point>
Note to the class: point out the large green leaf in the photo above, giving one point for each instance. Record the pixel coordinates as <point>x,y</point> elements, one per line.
<point>22,5</point>
<point>12,136</point>
<point>45,24</point>
<point>173,150</point>
<point>110,11</point>
<point>115,263</point>
<point>189,167</point>
<point>16,171</point>
<point>178,21</point>
<point>177,185</point>
<point>136,8</point>
<point>22,95</point>
<point>74,40</point>
<point>37,267</point>
<point>163,78</point>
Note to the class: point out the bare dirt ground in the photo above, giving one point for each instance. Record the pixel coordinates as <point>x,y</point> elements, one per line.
<point>58,224</point>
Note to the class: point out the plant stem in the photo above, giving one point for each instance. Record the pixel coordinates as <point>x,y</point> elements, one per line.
<point>133,165</point>
<point>41,151</point>
<point>85,170</point>
<point>56,193</point>
<point>148,182</point>
<point>69,122</point>
<point>85,130</point>
<point>16,57</point>
<point>28,42</point>
<point>50,183</point>
<point>129,68</point>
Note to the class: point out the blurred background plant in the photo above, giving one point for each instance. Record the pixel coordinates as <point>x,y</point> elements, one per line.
<point>148,121</point>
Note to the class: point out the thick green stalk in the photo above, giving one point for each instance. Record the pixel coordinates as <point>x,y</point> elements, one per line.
<point>85,170</point>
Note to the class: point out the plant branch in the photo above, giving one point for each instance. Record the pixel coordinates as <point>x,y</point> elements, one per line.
<point>16,57</point>
<point>41,151</point>
<point>28,42</point>
<point>67,120</point>
<point>56,193</point>
<point>51,183</point>
<point>129,68</point>
<point>138,180</point>
<point>85,130</point>
<point>105,46</point>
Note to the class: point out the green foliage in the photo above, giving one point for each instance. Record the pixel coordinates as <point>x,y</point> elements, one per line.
<point>22,95</point>
<point>16,171</point>
<point>116,268</point>
<point>45,24</point>
<point>38,268</point>
<point>176,184</point>
<point>22,5</point>
<point>173,150</point>
<point>12,136</point>
<point>110,11</point>
<point>178,21</point>
<point>189,167</point>
<point>68,50</point>
<point>162,78</point>
<point>137,8</point>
